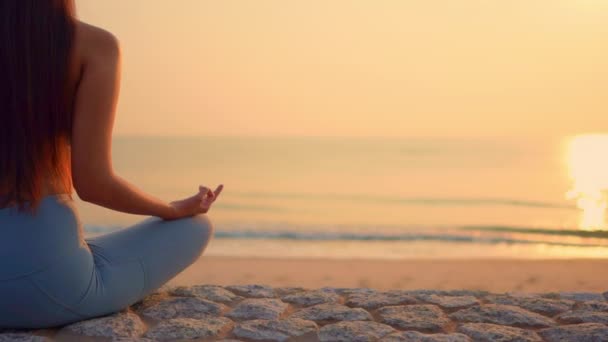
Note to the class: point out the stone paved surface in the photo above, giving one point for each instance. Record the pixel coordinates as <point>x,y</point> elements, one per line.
<point>254,312</point>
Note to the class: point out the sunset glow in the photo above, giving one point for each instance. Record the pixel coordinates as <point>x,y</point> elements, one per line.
<point>358,68</point>
<point>588,168</point>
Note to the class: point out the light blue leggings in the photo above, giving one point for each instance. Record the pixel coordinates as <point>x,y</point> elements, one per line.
<point>50,275</point>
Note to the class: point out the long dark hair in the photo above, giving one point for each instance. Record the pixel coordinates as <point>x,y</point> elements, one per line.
<point>36,39</point>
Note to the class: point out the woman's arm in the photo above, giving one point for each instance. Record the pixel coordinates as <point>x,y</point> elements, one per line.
<point>94,112</point>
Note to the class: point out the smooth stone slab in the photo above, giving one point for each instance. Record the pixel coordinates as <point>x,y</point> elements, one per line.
<point>258,308</point>
<point>415,336</point>
<point>332,312</point>
<point>252,290</point>
<point>120,324</point>
<point>22,337</point>
<point>354,331</point>
<point>374,300</point>
<point>503,315</point>
<point>487,332</point>
<point>583,316</point>
<point>581,296</point>
<point>586,332</point>
<point>184,307</point>
<point>421,317</point>
<point>313,297</point>
<point>543,306</point>
<point>450,302</point>
<point>210,292</point>
<point>189,328</point>
<point>274,330</point>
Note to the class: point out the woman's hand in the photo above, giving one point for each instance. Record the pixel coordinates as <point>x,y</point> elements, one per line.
<point>197,204</point>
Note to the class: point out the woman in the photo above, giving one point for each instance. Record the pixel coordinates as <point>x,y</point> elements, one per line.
<point>59,85</point>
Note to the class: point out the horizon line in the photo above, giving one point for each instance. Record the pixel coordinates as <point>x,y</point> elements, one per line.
<point>387,137</point>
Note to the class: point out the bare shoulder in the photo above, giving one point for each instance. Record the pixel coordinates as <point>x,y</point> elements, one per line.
<point>94,42</point>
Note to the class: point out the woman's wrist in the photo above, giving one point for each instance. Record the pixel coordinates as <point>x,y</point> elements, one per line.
<point>169,212</point>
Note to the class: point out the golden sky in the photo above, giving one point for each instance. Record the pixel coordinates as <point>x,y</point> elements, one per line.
<point>398,68</point>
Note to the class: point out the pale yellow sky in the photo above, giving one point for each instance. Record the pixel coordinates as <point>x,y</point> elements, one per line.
<point>397,68</point>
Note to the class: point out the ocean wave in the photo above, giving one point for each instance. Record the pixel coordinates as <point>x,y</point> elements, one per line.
<point>596,234</point>
<point>412,237</point>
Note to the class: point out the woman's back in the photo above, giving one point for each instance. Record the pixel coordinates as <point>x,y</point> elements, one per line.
<point>36,107</point>
<point>94,50</point>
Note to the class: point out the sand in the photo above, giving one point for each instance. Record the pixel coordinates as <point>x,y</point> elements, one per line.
<point>504,275</point>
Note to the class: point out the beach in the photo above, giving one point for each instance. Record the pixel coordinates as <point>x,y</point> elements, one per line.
<point>495,275</point>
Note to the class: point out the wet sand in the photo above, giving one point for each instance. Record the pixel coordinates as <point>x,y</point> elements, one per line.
<point>491,275</point>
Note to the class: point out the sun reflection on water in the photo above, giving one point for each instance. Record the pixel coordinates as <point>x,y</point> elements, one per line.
<point>588,168</point>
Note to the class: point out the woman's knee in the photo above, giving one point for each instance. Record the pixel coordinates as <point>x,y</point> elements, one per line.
<point>203,224</point>
<point>198,230</point>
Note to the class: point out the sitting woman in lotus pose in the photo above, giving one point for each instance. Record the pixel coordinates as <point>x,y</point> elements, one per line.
<point>59,82</point>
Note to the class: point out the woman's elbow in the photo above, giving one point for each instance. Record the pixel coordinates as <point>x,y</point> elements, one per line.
<point>86,193</point>
<point>92,190</point>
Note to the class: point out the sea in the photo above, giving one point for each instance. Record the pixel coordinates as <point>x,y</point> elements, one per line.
<point>369,197</point>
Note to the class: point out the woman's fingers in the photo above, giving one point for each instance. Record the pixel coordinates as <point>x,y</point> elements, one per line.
<point>203,189</point>
<point>212,195</point>
<point>208,197</point>
<point>217,192</point>
<point>204,192</point>
<point>219,189</point>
